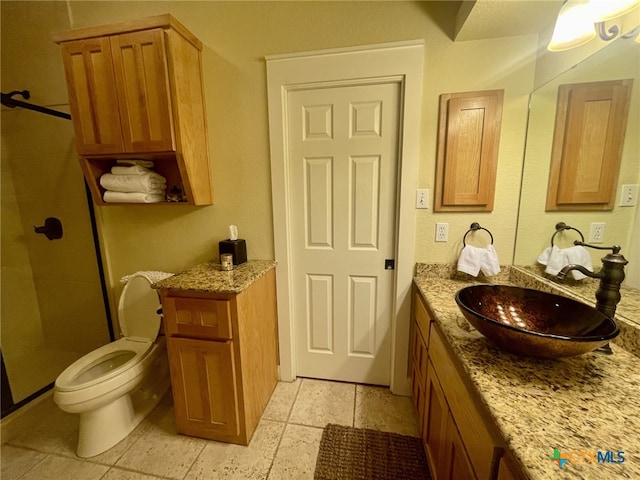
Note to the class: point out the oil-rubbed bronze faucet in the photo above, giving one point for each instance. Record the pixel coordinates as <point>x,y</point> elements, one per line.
<point>611,276</point>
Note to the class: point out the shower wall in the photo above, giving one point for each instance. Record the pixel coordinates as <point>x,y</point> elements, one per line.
<point>52,309</point>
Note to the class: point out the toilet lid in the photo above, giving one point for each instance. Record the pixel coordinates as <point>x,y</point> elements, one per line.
<point>137,309</point>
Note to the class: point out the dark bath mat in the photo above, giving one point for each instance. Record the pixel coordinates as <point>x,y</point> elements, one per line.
<point>348,453</point>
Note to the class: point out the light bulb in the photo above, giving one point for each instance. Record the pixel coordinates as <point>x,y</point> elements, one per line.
<point>574,26</point>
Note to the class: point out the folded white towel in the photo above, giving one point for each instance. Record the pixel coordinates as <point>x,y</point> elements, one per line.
<point>543,258</point>
<point>132,170</point>
<point>580,256</point>
<point>136,161</point>
<point>490,265</point>
<point>132,197</point>
<point>473,259</point>
<point>145,183</point>
<point>556,260</point>
<point>152,276</point>
<point>469,260</point>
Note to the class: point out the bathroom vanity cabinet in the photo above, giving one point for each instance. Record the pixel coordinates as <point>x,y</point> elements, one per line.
<point>223,358</point>
<point>135,91</point>
<point>459,441</point>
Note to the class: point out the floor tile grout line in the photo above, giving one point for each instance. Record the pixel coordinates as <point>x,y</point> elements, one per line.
<point>295,398</point>
<point>195,460</point>
<point>284,429</point>
<point>45,455</point>
<point>141,472</point>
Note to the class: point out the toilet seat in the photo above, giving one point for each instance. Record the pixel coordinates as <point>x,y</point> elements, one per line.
<point>139,322</point>
<point>73,377</point>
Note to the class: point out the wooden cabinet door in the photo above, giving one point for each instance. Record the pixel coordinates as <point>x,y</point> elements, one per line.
<point>418,374</point>
<point>142,83</point>
<point>436,417</point>
<point>457,463</point>
<point>92,96</point>
<point>203,378</point>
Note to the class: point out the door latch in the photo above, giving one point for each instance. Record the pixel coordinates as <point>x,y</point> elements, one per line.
<point>389,264</point>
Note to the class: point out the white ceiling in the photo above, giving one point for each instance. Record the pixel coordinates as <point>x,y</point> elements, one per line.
<point>482,19</point>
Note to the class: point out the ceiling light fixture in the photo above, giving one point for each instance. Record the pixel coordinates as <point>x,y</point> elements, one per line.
<point>579,20</point>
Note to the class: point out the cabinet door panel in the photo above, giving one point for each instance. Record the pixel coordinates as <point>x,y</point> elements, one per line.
<point>204,388</point>
<point>142,83</point>
<point>458,463</point>
<point>92,96</point>
<point>435,425</point>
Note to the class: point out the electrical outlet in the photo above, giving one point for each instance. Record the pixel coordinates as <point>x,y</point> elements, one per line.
<point>442,232</point>
<point>596,233</point>
<point>629,196</point>
<point>422,198</point>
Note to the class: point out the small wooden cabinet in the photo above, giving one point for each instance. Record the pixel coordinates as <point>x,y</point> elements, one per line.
<point>459,440</point>
<point>223,359</point>
<point>467,157</point>
<point>136,91</point>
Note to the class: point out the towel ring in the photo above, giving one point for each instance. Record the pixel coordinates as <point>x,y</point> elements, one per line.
<point>472,228</point>
<point>560,227</point>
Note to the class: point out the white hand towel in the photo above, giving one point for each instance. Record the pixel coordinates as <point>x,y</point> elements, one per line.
<point>132,197</point>
<point>152,276</point>
<point>490,264</point>
<point>580,256</point>
<point>132,170</point>
<point>557,259</point>
<point>543,258</point>
<point>470,260</point>
<point>136,161</point>
<point>133,183</point>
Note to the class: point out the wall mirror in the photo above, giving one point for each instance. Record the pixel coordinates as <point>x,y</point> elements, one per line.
<point>619,60</point>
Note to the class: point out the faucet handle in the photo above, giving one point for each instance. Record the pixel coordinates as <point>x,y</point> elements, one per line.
<point>615,248</point>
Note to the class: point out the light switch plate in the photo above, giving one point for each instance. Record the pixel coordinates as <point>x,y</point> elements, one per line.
<point>629,195</point>
<point>422,198</point>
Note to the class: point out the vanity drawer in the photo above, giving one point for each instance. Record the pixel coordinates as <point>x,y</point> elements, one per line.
<point>423,320</point>
<point>197,317</point>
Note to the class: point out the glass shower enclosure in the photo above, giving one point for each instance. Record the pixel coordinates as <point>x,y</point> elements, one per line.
<point>53,308</point>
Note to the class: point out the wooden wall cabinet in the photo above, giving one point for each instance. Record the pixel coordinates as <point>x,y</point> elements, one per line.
<point>223,359</point>
<point>459,440</point>
<point>136,91</point>
<point>467,159</point>
<point>591,121</point>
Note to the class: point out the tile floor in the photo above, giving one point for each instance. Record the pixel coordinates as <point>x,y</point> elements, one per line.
<point>284,446</point>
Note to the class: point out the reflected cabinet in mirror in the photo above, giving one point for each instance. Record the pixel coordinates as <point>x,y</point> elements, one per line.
<point>619,61</point>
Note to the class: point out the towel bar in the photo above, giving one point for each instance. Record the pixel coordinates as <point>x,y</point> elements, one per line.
<point>472,228</point>
<point>560,227</point>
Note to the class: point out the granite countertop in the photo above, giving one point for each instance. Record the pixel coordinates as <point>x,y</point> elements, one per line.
<point>588,403</point>
<point>210,278</point>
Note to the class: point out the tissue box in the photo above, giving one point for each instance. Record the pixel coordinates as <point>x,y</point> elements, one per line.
<point>237,248</point>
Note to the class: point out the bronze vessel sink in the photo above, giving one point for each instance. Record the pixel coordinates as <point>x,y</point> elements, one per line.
<point>535,323</point>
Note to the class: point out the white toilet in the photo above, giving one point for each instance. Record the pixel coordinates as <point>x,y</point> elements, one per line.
<point>114,387</point>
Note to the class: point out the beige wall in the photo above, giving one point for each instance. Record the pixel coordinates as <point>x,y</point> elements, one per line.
<point>237,36</point>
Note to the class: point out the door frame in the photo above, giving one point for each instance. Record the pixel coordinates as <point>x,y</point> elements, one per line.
<point>401,62</point>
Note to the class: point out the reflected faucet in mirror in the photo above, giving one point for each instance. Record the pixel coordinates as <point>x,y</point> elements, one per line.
<point>611,276</point>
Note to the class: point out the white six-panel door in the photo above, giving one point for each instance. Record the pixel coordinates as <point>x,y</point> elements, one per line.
<point>343,158</point>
